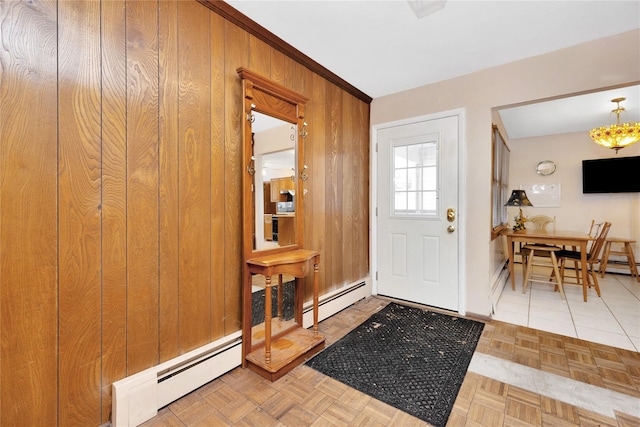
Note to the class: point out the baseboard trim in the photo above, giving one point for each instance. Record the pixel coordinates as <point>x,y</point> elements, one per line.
<point>334,302</point>
<point>138,397</point>
<point>498,282</point>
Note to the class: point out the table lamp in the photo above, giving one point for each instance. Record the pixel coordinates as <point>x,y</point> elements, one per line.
<point>519,198</point>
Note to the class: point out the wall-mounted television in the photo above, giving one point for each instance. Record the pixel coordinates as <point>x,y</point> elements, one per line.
<point>614,175</point>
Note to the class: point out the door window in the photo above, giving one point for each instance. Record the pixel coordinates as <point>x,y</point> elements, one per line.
<point>415,179</point>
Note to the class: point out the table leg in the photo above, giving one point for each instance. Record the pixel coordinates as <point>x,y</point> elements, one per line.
<point>280,296</point>
<point>632,261</point>
<point>585,269</point>
<point>605,258</point>
<point>528,271</point>
<point>267,320</point>
<point>554,261</point>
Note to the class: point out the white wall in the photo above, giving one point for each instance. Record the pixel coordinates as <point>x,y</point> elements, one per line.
<point>599,64</point>
<point>576,209</point>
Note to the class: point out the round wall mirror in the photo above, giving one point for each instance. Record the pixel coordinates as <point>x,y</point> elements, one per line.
<point>545,167</point>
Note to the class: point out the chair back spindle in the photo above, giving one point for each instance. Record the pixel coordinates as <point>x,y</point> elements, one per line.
<point>598,244</point>
<point>540,222</point>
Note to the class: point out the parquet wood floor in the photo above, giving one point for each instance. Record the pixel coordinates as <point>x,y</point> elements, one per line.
<point>305,397</point>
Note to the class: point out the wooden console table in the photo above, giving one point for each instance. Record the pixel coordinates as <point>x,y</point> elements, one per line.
<point>279,354</point>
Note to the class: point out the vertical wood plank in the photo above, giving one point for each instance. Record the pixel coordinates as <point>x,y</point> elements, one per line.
<point>300,79</point>
<point>364,190</point>
<point>288,66</point>
<point>334,185</point>
<point>194,174</point>
<point>142,185</point>
<point>79,120</point>
<point>28,228</point>
<point>259,56</point>
<point>350,173</point>
<point>316,217</point>
<point>168,179</point>
<point>217,204</point>
<point>114,210</point>
<point>279,70</point>
<point>236,55</point>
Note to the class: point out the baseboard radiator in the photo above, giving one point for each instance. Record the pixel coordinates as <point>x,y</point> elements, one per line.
<point>498,282</point>
<point>138,397</point>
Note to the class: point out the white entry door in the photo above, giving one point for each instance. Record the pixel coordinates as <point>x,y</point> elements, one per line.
<point>418,212</point>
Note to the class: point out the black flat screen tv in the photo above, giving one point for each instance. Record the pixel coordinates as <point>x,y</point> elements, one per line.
<point>614,175</point>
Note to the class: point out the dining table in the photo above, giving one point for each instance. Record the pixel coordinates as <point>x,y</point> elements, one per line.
<point>575,240</point>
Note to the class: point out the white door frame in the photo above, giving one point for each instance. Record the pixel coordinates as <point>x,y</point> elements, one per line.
<point>462,197</point>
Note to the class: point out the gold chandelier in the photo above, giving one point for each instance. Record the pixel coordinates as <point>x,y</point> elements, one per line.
<point>619,135</point>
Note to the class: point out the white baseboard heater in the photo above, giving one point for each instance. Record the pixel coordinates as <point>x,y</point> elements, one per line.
<point>138,397</point>
<point>498,281</point>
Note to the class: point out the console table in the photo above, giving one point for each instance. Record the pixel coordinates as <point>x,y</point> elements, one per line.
<point>289,347</point>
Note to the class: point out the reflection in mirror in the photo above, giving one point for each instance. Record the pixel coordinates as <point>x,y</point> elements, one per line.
<point>274,143</point>
<point>282,308</point>
<point>274,149</point>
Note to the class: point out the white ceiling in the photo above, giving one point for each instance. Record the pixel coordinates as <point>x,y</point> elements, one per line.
<point>382,47</point>
<point>571,114</point>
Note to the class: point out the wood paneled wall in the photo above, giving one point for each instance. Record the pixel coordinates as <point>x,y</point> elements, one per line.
<point>120,186</point>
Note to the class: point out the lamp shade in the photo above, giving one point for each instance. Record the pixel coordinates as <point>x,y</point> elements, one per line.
<point>518,198</point>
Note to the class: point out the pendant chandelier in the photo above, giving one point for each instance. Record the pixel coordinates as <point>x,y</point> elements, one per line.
<point>619,135</point>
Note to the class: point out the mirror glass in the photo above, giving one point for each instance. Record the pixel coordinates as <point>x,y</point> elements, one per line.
<point>274,152</point>
<point>282,306</point>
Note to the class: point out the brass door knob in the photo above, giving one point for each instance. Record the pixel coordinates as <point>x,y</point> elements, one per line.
<point>451,214</point>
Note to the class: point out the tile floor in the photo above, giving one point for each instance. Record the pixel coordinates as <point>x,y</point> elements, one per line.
<point>613,319</point>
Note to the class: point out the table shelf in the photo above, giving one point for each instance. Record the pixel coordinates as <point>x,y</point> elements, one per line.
<point>276,346</point>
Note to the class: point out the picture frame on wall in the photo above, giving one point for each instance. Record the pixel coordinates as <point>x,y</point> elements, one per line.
<point>543,195</point>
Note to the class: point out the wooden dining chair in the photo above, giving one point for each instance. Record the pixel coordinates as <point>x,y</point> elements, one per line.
<point>593,257</point>
<point>547,252</point>
<point>594,229</point>
<point>539,222</point>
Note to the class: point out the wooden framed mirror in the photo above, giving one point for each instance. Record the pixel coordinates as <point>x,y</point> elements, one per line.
<point>273,158</point>
<point>273,210</point>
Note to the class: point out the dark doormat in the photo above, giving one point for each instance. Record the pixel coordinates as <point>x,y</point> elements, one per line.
<point>412,359</point>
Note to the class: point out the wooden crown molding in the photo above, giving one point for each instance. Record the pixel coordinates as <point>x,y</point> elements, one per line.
<point>234,16</point>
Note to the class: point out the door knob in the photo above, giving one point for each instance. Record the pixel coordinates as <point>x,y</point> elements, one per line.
<point>451,214</point>
<point>451,229</point>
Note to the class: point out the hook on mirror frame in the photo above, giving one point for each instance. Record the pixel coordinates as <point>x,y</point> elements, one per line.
<point>303,175</point>
<point>251,117</point>
<point>303,131</point>
<point>251,166</point>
